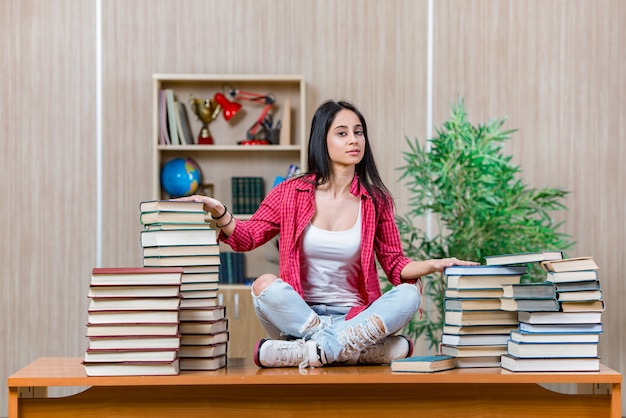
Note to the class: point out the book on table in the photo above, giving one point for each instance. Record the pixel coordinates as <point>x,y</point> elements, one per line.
<point>204,339</point>
<point>580,296</point>
<point>423,364</point>
<point>477,361</point>
<point>178,226</point>
<point>563,328</point>
<point>182,261</point>
<point>475,304</point>
<point>198,303</point>
<point>132,317</point>
<point>577,285</point>
<point>570,264</point>
<point>212,313</point>
<point>530,304</point>
<point>181,250</point>
<point>560,317</point>
<point>203,363</point>
<point>134,304</point>
<point>152,368</point>
<point>495,292</point>
<point>555,350</point>
<point>134,342</point>
<point>495,317</point>
<point>475,339</point>
<point>478,329</point>
<point>173,217</point>
<point>480,282</point>
<point>117,356</point>
<point>522,258</point>
<point>554,337</point>
<point>108,330</point>
<point>483,270</point>
<point>167,237</point>
<point>140,276</point>
<point>199,294</point>
<point>514,364</point>
<point>170,206</point>
<point>129,291</point>
<point>529,290</point>
<point>571,276</point>
<point>473,350</point>
<point>196,351</point>
<point>213,269</point>
<point>200,277</point>
<point>187,287</point>
<point>203,327</point>
<point>583,306</point>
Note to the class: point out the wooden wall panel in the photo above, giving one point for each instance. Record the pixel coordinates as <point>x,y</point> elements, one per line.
<point>557,69</point>
<point>47,244</point>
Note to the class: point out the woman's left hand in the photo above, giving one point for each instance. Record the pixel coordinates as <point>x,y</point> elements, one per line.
<point>438,265</point>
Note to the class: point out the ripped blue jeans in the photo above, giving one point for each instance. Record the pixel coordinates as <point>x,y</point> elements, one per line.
<point>284,314</point>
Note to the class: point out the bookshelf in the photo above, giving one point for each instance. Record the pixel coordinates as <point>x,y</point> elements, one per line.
<point>225,158</point>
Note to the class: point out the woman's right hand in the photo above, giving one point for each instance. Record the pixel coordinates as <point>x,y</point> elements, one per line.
<point>211,205</point>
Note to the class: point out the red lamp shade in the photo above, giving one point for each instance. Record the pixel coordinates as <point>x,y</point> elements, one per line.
<point>229,109</point>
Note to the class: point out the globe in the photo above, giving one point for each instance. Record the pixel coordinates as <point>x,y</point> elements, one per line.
<point>180,177</point>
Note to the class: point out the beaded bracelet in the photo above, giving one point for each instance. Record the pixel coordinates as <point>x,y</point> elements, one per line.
<point>222,215</point>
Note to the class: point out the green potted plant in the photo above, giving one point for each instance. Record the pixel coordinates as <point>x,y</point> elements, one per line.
<point>478,204</point>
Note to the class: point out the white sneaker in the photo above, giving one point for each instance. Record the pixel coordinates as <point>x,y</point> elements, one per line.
<point>386,350</point>
<point>281,353</point>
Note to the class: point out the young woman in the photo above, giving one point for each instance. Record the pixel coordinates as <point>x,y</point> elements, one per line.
<point>333,222</point>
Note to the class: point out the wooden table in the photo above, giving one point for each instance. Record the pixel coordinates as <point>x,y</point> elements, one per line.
<point>244,390</point>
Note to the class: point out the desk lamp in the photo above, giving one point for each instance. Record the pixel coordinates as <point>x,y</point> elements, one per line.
<point>259,132</point>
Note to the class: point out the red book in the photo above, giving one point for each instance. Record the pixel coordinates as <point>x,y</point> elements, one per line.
<point>136,276</point>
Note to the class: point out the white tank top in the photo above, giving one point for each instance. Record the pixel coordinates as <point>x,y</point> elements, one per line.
<point>330,265</point>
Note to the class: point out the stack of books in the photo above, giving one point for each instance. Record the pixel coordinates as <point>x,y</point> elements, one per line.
<point>565,340</point>
<point>577,284</point>
<point>133,320</point>
<point>476,329</point>
<point>178,234</point>
<point>533,297</point>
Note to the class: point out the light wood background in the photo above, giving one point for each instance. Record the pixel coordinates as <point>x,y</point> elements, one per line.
<point>556,67</point>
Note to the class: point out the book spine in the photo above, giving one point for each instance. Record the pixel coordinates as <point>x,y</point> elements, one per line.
<point>257,193</point>
<point>171,116</point>
<point>236,195</point>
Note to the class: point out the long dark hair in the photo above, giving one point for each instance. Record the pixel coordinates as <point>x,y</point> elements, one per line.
<point>319,159</point>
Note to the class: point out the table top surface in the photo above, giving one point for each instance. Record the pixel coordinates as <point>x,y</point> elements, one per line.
<point>69,371</point>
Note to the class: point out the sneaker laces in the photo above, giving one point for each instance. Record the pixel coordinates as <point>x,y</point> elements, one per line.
<point>386,350</point>
<point>376,353</point>
<point>287,354</point>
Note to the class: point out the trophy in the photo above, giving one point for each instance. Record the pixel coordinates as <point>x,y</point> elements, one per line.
<point>207,111</point>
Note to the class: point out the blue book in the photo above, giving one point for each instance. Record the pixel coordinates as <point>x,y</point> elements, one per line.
<point>423,364</point>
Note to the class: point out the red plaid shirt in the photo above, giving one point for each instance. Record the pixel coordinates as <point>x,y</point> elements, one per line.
<point>289,208</point>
